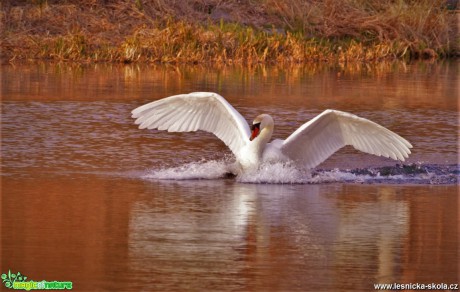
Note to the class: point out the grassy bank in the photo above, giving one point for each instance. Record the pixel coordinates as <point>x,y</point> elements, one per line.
<point>245,31</point>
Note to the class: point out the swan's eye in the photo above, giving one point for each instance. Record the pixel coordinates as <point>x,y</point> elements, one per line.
<point>255,126</point>
<point>255,129</point>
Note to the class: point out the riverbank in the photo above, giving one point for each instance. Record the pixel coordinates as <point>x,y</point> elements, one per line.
<point>226,32</point>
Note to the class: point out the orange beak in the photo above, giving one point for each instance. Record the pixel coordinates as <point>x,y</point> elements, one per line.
<point>255,129</point>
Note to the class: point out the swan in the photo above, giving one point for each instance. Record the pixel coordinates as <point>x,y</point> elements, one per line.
<point>307,147</point>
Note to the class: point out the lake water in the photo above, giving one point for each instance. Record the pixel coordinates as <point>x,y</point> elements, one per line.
<point>87,197</point>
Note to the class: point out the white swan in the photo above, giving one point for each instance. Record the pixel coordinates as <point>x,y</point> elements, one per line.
<point>308,146</point>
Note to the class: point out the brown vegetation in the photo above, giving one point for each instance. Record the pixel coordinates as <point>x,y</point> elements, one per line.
<point>236,31</point>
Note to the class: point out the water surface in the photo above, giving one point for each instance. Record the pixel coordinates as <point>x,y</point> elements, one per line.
<point>82,200</point>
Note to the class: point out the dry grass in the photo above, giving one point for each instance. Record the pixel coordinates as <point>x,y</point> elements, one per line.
<point>404,26</point>
<point>201,31</point>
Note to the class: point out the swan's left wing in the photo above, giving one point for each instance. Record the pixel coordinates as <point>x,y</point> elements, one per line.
<point>204,111</point>
<point>319,138</point>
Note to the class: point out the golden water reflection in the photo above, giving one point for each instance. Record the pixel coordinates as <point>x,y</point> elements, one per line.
<point>219,235</point>
<point>394,85</point>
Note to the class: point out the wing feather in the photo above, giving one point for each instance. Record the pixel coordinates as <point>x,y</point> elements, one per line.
<point>179,122</point>
<point>319,138</point>
<point>204,111</point>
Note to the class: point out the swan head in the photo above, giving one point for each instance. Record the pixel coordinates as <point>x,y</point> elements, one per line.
<point>262,123</point>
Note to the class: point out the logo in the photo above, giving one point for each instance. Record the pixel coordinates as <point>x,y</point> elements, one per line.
<point>18,282</point>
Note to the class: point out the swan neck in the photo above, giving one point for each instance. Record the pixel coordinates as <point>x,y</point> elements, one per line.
<point>250,156</point>
<point>264,137</point>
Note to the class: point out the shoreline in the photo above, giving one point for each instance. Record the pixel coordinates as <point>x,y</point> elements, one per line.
<point>211,32</point>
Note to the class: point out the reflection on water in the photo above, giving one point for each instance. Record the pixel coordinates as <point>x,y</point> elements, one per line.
<point>79,203</point>
<point>316,86</point>
<point>217,235</point>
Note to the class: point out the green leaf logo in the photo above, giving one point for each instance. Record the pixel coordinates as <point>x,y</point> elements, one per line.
<point>9,279</point>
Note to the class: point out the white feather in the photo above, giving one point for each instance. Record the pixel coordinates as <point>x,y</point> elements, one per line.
<point>308,146</point>
<point>360,133</point>
<point>204,111</point>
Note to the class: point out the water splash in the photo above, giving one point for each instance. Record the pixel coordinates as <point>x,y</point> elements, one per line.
<point>276,173</point>
<point>212,169</point>
<point>285,173</point>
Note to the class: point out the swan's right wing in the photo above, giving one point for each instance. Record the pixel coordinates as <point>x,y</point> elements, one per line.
<point>204,111</point>
<point>319,138</point>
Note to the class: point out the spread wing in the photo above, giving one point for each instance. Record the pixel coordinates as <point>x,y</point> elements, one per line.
<point>319,138</point>
<point>204,111</point>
